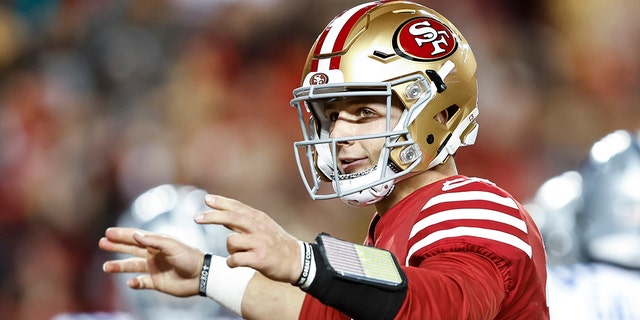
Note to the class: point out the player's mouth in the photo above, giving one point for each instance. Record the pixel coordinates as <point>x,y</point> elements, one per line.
<point>352,165</point>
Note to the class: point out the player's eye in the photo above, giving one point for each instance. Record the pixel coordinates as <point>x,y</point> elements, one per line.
<point>366,112</point>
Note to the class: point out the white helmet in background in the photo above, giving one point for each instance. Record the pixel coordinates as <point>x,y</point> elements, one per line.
<point>593,214</point>
<point>609,222</point>
<point>554,208</point>
<point>169,209</point>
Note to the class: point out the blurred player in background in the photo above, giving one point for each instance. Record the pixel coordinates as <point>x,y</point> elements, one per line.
<point>389,94</point>
<point>590,220</point>
<point>167,209</point>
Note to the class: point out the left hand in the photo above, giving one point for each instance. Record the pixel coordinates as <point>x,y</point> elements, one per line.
<point>167,264</point>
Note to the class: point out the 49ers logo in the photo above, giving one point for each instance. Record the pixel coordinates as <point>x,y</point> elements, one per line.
<point>424,39</point>
<point>319,78</point>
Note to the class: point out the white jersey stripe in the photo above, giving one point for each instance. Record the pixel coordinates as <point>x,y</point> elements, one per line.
<point>473,214</point>
<point>471,195</point>
<point>334,31</point>
<point>472,232</point>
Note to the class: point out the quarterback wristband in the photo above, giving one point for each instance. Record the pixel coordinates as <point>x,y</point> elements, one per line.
<point>362,282</point>
<point>361,264</point>
<point>226,285</point>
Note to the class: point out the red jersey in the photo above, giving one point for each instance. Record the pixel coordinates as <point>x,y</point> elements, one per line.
<point>470,251</point>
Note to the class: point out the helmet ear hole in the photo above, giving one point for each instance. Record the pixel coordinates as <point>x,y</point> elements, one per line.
<point>442,117</point>
<point>447,114</point>
<point>452,110</point>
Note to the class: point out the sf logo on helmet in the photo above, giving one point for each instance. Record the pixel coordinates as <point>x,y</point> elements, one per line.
<point>319,78</point>
<point>424,39</point>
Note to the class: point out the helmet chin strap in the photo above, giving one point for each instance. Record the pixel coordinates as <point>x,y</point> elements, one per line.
<point>374,194</point>
<point>370,195</point>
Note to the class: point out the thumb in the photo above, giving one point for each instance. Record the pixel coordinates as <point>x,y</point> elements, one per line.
<point>140,238</point>
<point>141,282</point>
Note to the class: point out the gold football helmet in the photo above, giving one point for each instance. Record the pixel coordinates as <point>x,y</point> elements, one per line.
<point>409,54</point>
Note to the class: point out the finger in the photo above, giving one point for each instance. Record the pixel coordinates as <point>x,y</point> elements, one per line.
<point>135,250</point>
<point>130,265</point>
<point>222,203</point>
<point>141,282</point>
<point>154,242</point>
<point>274,268</point>
<point>231,213</point>
<point>237,242</point>
<point>123,235</point>
<point>242,259</point>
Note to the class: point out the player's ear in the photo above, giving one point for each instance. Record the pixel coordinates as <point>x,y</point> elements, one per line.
<point>442,117</point>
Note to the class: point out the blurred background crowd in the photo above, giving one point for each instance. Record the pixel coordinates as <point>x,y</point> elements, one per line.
<point>101,100</point>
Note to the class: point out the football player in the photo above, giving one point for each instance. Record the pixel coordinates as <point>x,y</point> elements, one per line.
<point>590,220</point>
<point>388,96</point>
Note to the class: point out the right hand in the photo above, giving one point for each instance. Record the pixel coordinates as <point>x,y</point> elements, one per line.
<point>258,241</point>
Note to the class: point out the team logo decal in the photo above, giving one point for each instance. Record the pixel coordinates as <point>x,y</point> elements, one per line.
<point>319,78</point>
<point>424,39</point>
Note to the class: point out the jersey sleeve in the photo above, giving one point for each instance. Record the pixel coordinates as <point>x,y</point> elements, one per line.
<point>453,285</point>
<point>474,246</point>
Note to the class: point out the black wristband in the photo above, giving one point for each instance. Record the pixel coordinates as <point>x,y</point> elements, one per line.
<point>204,275</point>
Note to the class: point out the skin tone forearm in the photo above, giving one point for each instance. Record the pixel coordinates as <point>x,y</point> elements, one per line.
<point>173,267</point>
